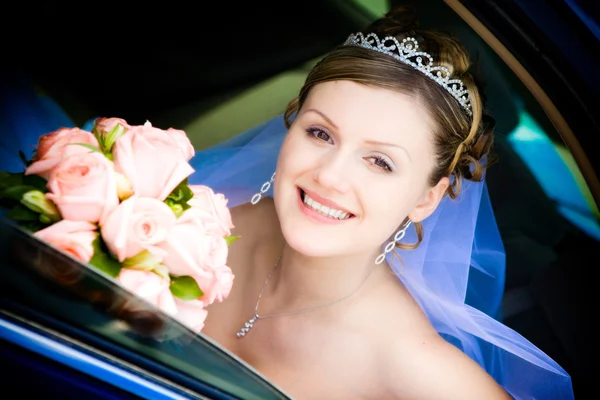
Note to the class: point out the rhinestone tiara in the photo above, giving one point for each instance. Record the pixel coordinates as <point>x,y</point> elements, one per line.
<point>407,52</point>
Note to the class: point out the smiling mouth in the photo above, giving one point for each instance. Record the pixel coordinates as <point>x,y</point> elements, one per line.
<point>324,210</point>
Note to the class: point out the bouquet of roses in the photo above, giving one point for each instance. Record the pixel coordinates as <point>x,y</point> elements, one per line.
<point>117,198</point>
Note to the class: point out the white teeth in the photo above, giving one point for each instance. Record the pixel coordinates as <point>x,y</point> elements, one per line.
<point>329,212</point>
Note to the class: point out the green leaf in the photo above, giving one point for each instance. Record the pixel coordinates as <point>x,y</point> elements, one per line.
<point>143,260</point>
<point>182,192</point>
<point>16,192</point>
<point>35,181</point>
<point>9,196</point>
<point>112,136</point>
<point>9,179</point>
<point>37,201</point>
<point>177,209</point>
<point>103,260</point>
<point>185,288</point>
<point>12,183</point>
<point>230,239</point>
<point>187,193</point>
<point>44,219</point>
<point>162,271</point>
<point>178,198</point>
<point>22,213</point>
<point>31,226</point>
<point>99,137</point>
<point>88,146</point>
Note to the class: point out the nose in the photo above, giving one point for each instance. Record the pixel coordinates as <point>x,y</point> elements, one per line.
<point>333,173</point>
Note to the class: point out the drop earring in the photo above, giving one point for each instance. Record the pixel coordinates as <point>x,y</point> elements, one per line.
<point>392,244</point>
<point>263,189</point>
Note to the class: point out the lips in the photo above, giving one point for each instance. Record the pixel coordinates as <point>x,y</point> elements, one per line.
<point>329,204</point>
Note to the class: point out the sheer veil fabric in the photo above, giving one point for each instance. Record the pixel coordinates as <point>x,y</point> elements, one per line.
<point>456,275</point>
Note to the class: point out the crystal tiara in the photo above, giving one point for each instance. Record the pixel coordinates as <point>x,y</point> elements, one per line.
<point>407,52</point>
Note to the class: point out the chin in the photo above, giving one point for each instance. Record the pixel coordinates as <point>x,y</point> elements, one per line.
<point>311,243</point>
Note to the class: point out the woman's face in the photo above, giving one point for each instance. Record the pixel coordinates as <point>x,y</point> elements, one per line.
<point>354,165</point>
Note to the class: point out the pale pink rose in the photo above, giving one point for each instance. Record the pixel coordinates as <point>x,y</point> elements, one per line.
<point>54,147</point>
<point>105,125</point>
<point>191,249</point>
<point>72,237</point>
<point>150,287</point>
<point>152,160</point>
<point>183,141</point>
<point>138,224</point>
<point>216,206</point>
<point>218,287</point>
<point>191,313</point>
<point>83,187</point>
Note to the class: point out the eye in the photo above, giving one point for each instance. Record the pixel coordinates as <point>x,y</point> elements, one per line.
<point>381,162</point>
<point>319,134</point>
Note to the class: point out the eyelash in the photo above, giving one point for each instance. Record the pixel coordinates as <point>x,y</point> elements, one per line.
<point>385,165</point>
<point>380,161</point>
<point>315,132</point>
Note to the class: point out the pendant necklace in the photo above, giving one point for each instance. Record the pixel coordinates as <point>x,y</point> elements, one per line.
<point>250,323</point>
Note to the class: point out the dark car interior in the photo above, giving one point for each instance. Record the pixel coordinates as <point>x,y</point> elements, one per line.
<point>173,64</point>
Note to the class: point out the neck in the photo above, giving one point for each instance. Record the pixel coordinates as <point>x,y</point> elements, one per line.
<point>301,281</point>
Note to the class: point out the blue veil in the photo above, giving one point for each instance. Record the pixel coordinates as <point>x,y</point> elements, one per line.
<point>456,274</point>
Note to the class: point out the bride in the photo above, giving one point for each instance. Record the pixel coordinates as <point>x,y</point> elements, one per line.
<point>370,265</point>
<point>358,249</point>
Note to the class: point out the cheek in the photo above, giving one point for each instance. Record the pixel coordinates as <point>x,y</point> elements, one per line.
<point>386,207</point>
<point>295,158</point>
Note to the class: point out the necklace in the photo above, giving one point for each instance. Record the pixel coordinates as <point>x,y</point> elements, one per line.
<point>250,323</point>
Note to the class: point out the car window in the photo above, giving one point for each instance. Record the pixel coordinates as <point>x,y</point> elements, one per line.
<point>588,13</point>
<point>53,285</point>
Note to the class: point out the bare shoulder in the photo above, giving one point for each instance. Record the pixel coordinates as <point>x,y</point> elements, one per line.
<point>438,370</point>
<point>416,362</point>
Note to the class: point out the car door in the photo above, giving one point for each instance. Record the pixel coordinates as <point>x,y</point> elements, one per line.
<point>70,331</point>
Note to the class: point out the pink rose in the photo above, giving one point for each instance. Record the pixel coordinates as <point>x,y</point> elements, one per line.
<point>191,249</point>
<point>191,313</point>
<point>182,140</point>
<point>218,286</point>
<point>152,160</point>
<point>72,237</point>
<point>105,125</point>
<point>55,146</point>
<point>83,187</point>
<point>215,205</point>
<point>138,224</point>
<point>150,287</point>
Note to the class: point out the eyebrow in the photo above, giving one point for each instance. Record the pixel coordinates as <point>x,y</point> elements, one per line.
<point>325,117</point>
<point>371,142</point>
<point>378,143</point>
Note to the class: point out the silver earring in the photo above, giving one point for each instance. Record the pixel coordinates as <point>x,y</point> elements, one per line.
<point>263,189</point>
<point>392,244</point>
